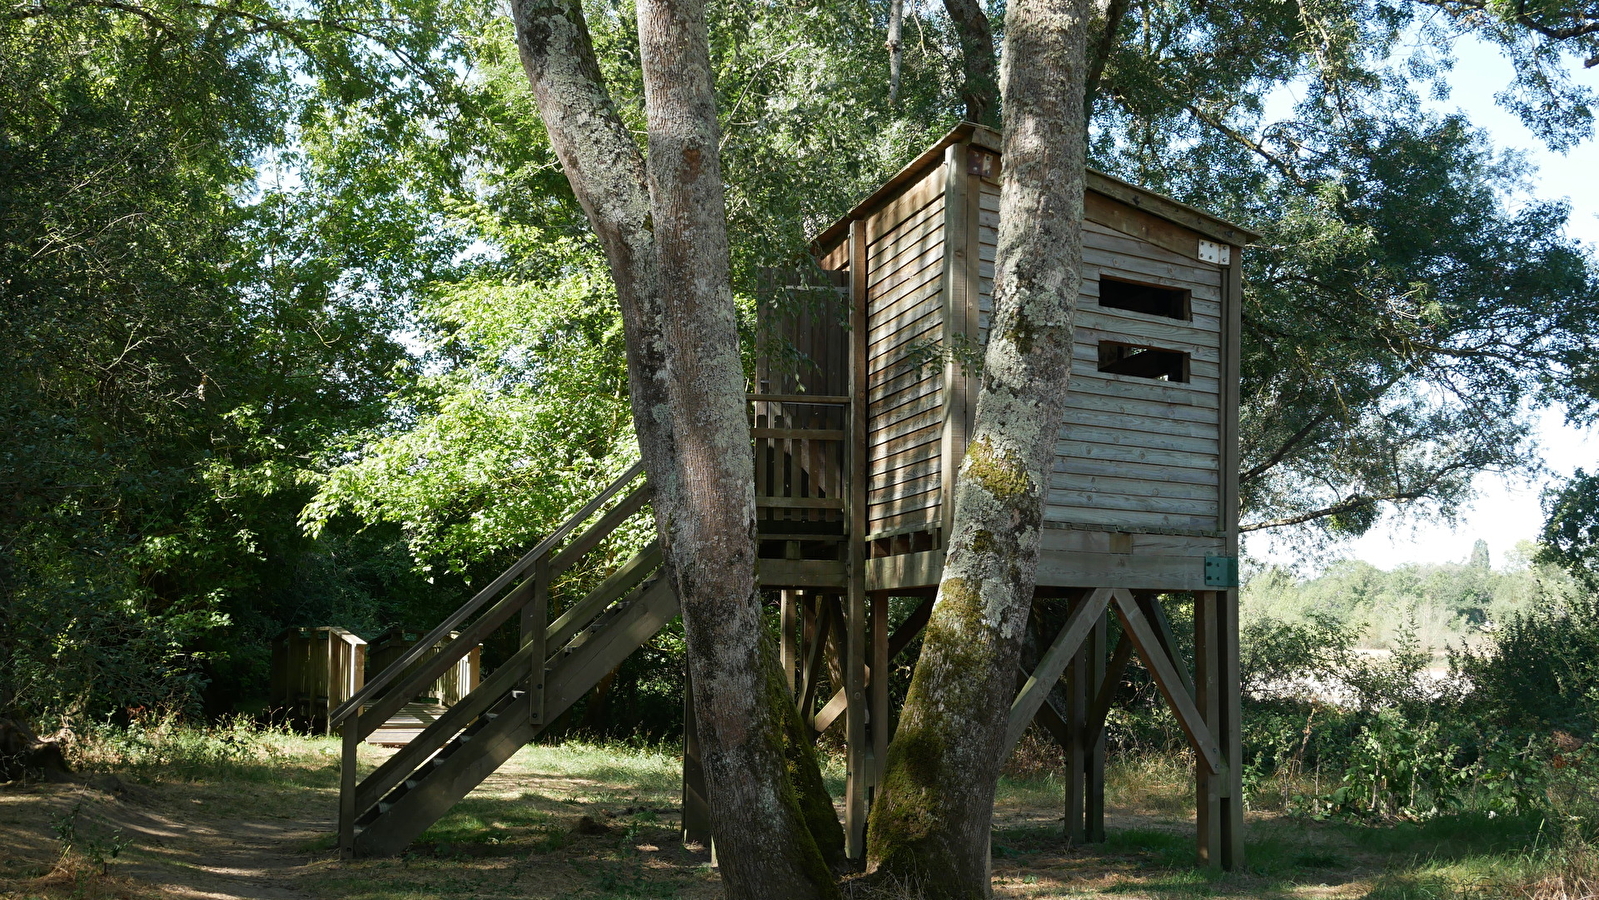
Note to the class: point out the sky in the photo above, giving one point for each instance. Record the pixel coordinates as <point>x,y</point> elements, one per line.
<point>1506,511</point>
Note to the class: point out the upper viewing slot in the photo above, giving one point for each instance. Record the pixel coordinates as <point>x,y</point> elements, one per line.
<point>1150,299</point>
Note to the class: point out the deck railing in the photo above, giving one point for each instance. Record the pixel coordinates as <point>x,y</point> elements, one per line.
<point>801,464</point>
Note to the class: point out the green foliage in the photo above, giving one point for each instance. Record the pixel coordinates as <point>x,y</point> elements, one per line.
<point>1447,603</point>
<point>530,424</point>
<point>196,320</point>
<point>1542,672</point>
<point>1387,736</point>
<point>1571,528</point>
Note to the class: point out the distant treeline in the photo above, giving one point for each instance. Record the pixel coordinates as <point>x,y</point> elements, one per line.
<point>1433,605</point>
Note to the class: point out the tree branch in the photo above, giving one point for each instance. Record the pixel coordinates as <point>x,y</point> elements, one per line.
<point>1283,450</point>
<point>1249,142</point>
<point>980,64</point>
<point>1099,54</point>
<point>896,17</point>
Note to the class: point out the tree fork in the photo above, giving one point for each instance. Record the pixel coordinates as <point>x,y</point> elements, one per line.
<point>663,228</point>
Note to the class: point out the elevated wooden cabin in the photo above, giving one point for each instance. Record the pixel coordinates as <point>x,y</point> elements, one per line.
<point>864,395</point>
<point>1141,495</point>
<point>866,389</point>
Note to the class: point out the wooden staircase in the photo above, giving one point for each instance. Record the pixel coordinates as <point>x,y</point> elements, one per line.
<point>559,661</point>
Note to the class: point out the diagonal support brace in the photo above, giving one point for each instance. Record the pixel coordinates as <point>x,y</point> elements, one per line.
<point>1167,679</point>
<point>1054,662</point>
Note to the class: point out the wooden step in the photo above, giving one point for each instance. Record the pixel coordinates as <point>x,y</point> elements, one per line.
<point>462,765</point>
<point>403,727</point>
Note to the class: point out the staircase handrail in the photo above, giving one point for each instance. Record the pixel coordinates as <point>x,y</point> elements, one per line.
<point>387,676</point>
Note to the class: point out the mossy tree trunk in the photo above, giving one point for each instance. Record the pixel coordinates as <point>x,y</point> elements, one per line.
<point>930,826</point>
<point>663,227</point>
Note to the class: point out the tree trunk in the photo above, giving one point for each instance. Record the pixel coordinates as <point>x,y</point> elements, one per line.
<point>667,247</point>
<point>758,823</point>
<point>896,17</point>
<point>24,757</point>
<point>979,62</point>
<point>930,827</point>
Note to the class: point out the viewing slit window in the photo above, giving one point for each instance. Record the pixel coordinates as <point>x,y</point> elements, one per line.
<point>1151,299</point>
<point>1143,362</point>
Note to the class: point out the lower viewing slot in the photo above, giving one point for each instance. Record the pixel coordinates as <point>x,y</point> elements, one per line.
<point>1143,362</point>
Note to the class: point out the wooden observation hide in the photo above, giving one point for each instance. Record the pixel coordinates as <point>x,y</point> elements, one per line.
<point>861,416</point>
<point>313,671</point>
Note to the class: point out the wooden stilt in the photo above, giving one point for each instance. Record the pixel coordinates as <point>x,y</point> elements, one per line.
<point>1077,678</point>
<point>820,623</point>
<point>1208,786</point>
<point>1093,736</point>
<point>786,649</point>
<point>854,624</point>
<point>857,749</point>
<point>879,717</point>
<point>1230,734</point>
<point>696,805</point>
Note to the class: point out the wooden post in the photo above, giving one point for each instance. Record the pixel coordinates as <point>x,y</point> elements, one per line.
<point>1093,734</point>
<point>351,732</point>
<point>854,624</point>
<point>1077,675</point>
<point>696,805</point>
<point>785,644</point>
<point>879,707</point>
<point>1207,787</point>
<point>329,666</point>
<point>535,620</point>
<point>1230,734</point>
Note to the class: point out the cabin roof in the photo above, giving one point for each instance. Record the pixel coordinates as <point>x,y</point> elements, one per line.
<point>1155,204</point>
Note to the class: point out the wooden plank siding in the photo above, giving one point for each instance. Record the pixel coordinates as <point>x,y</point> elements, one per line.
<point>905,327</point>
<point>1134,452</point>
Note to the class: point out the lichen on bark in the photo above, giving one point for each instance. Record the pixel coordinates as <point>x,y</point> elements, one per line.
<point>1003,476</point>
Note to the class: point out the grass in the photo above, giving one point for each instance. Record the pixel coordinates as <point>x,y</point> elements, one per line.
<point>601,821</point>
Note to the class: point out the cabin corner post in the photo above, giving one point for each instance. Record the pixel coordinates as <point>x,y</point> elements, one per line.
<point>959,240</point>
<point>854,624</point>
<point>1221,799</point>
<point>1232,699</point>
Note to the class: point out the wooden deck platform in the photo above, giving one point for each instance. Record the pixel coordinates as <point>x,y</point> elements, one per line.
<point>403,727</point>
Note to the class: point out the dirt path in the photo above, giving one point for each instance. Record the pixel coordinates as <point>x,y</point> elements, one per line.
<point>189,840</point>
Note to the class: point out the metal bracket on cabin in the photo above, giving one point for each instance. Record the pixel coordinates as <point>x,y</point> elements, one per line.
<point>1212,252</point>
<point>1221,571</point>
<point>982,163</point>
